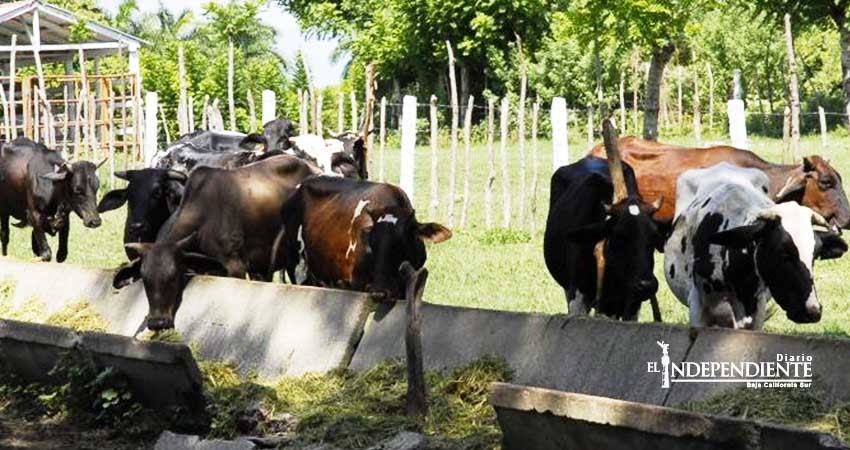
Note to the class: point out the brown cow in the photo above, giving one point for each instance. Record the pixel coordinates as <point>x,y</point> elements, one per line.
<point>354,235</point>
<point>814,183</point>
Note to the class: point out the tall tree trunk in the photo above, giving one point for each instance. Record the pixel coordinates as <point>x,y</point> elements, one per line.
<point>660,57</point>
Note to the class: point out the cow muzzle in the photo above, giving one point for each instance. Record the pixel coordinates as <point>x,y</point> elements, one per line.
<point>160,323</point>
<point>646,287</point>
<point>92,221</point>
<point>811,313</point>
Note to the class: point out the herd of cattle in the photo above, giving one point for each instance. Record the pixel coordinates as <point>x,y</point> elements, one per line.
<point>735,230</point>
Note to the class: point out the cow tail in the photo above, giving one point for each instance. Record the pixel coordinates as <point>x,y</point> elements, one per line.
<point>275,249</point>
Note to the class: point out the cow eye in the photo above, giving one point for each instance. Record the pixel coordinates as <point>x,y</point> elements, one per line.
<point>827,183</point>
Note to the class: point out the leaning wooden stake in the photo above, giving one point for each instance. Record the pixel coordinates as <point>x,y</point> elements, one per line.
<point>786,136</point>
<point>435,137</point>
<point>623,124</point>
<point>354,122</point>
<point>618,180</point>
<point>182,102</point>
<point>417,404</point>
<point>793,87</point>
<point>231,104</point>
<point>679,111</point>
<point>467,156</point>
<point>523,83</point>
<point>697,118</point>
<point>822,120</point>
<point>450,204</point>
<point>710,99</point>
<point>12,80</point>
<point>535,163</point>
<point>491,164</point>
<point>252,113</point>
<point>506,182</point>
<point>382,144</point>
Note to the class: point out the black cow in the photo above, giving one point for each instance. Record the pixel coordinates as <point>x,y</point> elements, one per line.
<point>151,195</point>
<point>225,225</point>
<point>222,149</point>
<point>277,133</point>
<point>354,235</point>
<point>39,188</point>
<point>587,235</point>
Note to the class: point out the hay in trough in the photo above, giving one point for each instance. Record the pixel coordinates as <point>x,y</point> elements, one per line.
<point>171,335</point>
<point>79,316</point>
<point>357,410</point>
<point>7,290</point>
<point>798,407</point>
<point>31,310</point>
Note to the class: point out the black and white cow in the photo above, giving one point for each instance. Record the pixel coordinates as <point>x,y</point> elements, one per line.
<point>732,249</point>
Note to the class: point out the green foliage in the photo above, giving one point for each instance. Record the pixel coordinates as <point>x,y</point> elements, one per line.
<point>501,236</point>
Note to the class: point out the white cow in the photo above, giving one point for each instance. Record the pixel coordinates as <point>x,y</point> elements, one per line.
<point>733,248</point>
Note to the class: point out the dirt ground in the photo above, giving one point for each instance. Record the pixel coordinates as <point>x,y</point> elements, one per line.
<point>18,433</point>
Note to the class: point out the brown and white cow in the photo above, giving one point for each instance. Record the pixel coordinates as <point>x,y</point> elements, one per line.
<point>354,235</point>
<point>814,183</point>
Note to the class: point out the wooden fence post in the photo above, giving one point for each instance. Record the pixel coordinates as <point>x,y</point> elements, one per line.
<point>354,122</point>
<point>340,114</point>
<point>303,127</point>
<point>269,106</point>
<point>710,99</point>
<point>230,102</point>
<point>491,164</point>
<point>467,155</point>
<point>382,137</point>
<point>408,145</point>
<point>623,124</point>
<point>111,141</point>
<point>697,118</point>
<point>786,136</point>
<point>793,87</point>
<point>65,121</point>
<point>679,111</point>
<point>589,125</point>
<point>535,163</point>
<point>182,107</point>
<point>560,143</point>
<point>435,137</point>
<point>450,205</point>
<point>506,180</point>
<point>822,117</point>
<point>416,403</point>
<point>151,126</point>
<point>12,77</point>
<point>191,114</point>
<point>252,113</point>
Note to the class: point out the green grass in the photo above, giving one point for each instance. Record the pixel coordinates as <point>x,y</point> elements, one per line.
<point>505,270</point>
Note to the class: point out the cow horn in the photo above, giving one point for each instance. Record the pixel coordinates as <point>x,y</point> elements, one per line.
<point>818,219</point>
<point>102,162</point>
<point>176,175</point>
<point>609,134</point>
<point>122,174</point>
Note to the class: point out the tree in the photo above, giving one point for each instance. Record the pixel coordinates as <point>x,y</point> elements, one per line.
<point>815,12</point>
<point>658,27</point>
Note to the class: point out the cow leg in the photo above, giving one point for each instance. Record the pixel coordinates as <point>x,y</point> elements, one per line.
<point>62,252</point>
<point>577,305</point>
<point>40,246</point>
<point>4,233</point>
<point>695,310</point>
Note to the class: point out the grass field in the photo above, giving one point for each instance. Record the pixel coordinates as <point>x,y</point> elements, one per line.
<point>505,270</point>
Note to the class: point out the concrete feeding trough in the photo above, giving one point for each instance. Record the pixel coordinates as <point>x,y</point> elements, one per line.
<point>160,374</point>
<point>544,419</point>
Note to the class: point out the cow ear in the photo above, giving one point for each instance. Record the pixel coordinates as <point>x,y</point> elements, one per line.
<point>112,200</point>
<point>55,176</point>
<point>173,195</point>
<point>186,242</point>
<point>123,174</point>
<point>808,165</point>
<point>793,184</point>
<point>591,233</point>
<point>829,245</point>
<point>198,264</point>
<point>739,237</point>
<point>127,274</point>
<point>433,232</point>
<point>138,249</point>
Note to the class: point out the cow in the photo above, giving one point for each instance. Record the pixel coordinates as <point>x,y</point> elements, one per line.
<point>277,133</point>
<point>225,225</point>
<point>598,247</point>
<point>151,195</point>
<point>223,149</point>
<point>733,248</point>
<point>343,155</point>
<point>354,234</point>
<point>813,183</point>
<point>39,188</point>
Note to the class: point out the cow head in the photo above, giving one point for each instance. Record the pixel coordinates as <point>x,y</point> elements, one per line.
<point>354,146</point>
<point>151,195</point>
<point>165,268</point>
<point>625,242</point>
<point>784,246</point>
<point>394,236</point>
<point>79,183</point>
<point>817,185</point>
<point>277,133</point>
